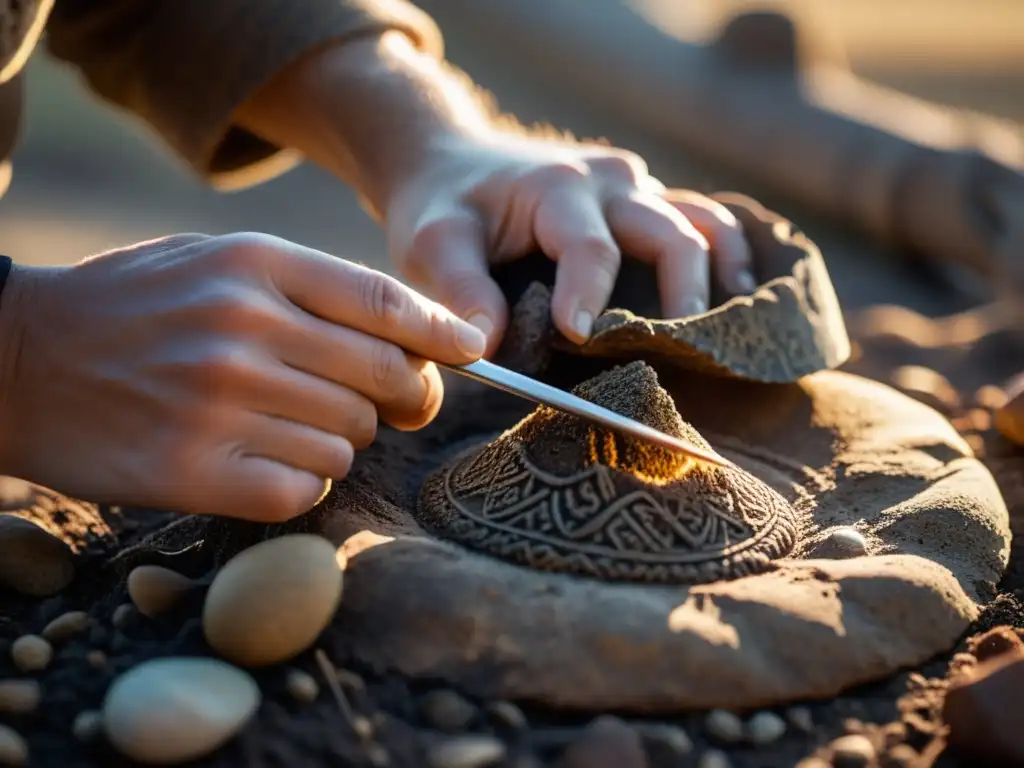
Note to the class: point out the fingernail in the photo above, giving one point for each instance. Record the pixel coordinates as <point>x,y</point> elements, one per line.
<point>471,338</point>
<point>746,282</point>
<point>481,321</point>
<point>583,323</point>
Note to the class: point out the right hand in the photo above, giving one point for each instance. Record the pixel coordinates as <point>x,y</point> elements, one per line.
<point>228,375</point>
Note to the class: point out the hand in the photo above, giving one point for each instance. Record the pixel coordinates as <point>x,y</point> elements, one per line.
<point>482,201</point>
<point>213,375</point>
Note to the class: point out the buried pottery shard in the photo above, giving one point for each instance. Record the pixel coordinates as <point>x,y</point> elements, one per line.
<point>556,493</point>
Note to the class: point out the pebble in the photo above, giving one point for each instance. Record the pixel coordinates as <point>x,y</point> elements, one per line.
<point>31,653</point>
<point>673,738</point>
<point>724,726</point>
<point>854,751</point>
<point>87,726</point>
<point>33,561</point>
<point>841,543</point>
<point>96,658</point>
<point>121,614</point>
<point>765,728</point>
<point>270,602</point>
<point>15,494</point>
<point>65,626</point>
<point>607,742</point>
<point>800,718</point>
<point>714,758</point>
<point>302,686</point>
<point>471,751</point>
<point>983,713</point>
<point>13,748</point>
<point>446,710</point>
<point>154,589</point>
<point>507,714</point>
<point>927,386</point>
<point>19,697</point>
<point>172,710</point>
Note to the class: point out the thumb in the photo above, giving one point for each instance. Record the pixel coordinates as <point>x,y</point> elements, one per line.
<point>448,258</point>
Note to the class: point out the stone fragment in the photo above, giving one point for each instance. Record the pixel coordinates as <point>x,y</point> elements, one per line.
<point>714,758</point>
<point>154,589</point>
<point>765,728</point>
<point>31,653</point>
<point>983,712</point>
<point>470,751</point>
<point>724,726</point>
<point>87,726</point>
<point>607,742</point>
<point>271,602</point>
<point>842,543</point>
<point>853,751</point>
<point>65,626</point>
<point>302,686</point>
<point>800,718</point>
<point>507,714</point>
<point>927,386</point>
<point>32,561</point>
<point>171,710</point>
<point>13,748</point>
<point>446,710</point>
<point>19,697</point>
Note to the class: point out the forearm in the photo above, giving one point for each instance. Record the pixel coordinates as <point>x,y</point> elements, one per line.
<point>370,111</point>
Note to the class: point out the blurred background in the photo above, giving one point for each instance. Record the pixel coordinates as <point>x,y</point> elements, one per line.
<point>87,178</point>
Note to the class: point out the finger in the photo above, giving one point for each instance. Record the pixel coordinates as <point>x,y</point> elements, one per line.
<point>369,301</point>
<point>405,389</point>
<point>448,259</point>
<point>651,229</point>
<point>261,490</point>
<point>724,232</point>
<point>298,446</point>
<point>570,228</point>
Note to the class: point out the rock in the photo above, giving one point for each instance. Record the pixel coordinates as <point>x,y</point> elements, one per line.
<point>471,751</point>
<point>765,728</point>
<point>15,494</point>
<point>841,543</point>
<point>31,653</point>
<point>19,697</point>
<point>271,601</point>
<point>155,589</point>
<point>982,710</point>
<point>927,386</point>
<point>854,751</point>
<point>302,686</point>
<point>800,718</point>
<point>87,726</point>
<point>714,758</point>
<point>96,658</point>
<point>172,710</point>
<point>13,748</point>
<point>446,710</point>
<point>672,738</point>
<point>507,714</point>
<point>607,742</point>
<point>724,726</point>
<point>65,626</point>
<point>121,614</point>
<point>33,561</point>
<point>902,756</point>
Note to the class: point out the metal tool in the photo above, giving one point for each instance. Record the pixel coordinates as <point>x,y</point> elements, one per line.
<point>539,392</point>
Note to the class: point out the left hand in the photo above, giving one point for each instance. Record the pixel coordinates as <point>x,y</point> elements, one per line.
<point>486,200</point>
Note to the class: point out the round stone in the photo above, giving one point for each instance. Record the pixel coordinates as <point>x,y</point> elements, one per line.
<point>20,697</point>
<point>65,626</point>
<point>446,710</point>
<point>31,653</point>
<point>13,748</point>
<point>172,710</point>
<point>122,614</point>
<point>154,589</point>
<point>471,751</point>
<point>607,742</point>
<point>271,602</point>
<point>302,686</point>
<point>32,561</point>
<point>714,758</point>
<point>724,726</point>
<point>765,728</point>
<point>87,726</point>
<point>842,542</point>
<point>853,751</point>
<point>558,494</point>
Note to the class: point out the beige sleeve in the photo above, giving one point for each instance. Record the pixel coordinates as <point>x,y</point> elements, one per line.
<point>185,66</point>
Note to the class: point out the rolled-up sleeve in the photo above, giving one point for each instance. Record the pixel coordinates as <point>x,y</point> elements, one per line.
<point>185,66</point>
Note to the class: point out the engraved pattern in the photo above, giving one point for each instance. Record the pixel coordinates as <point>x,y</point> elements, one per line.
<point>605,524</point>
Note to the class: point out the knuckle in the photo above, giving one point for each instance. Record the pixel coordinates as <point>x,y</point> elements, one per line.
<point>621,165</point>
<point>600,252</point>
<point>384,299</point>
<point>243,250</point>
<point>236,311</point>
<point>561,172</point>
